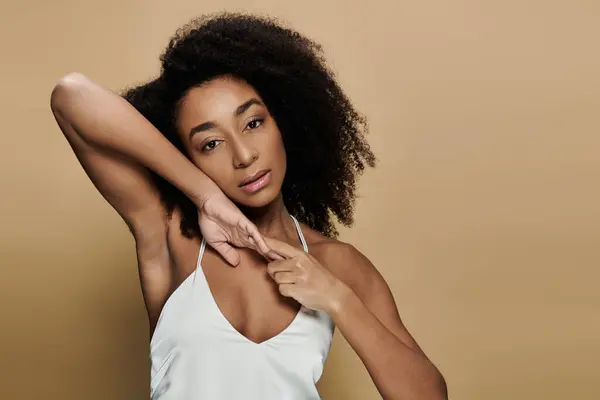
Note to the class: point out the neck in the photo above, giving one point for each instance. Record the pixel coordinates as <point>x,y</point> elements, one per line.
<point>272,220</point>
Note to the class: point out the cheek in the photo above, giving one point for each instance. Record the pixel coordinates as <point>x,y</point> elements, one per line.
<point>212,166</point>
<point>282,156</point>
<point>276,147</point>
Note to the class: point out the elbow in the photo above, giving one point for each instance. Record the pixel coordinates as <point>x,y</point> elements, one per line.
<point>428,387</point>
<point>443,388</point>
<point>439,388</point>
<point>64,90</point>
<point>431,387</point>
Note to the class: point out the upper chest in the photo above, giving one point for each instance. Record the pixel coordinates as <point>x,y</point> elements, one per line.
<point>245,296</point>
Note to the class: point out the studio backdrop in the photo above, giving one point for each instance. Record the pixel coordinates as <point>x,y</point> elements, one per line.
<point>482,214</point>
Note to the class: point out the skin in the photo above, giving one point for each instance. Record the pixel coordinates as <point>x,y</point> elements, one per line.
<point>229,147</point>
<point>263,293</point>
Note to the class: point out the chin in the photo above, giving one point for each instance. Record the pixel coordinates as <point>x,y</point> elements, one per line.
<point>259,199</point>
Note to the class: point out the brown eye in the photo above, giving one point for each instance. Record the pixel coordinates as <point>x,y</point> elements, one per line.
<point>210,145</point>
<point>255,123</point>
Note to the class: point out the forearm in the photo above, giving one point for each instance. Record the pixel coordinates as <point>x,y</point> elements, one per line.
<point>398,371</point>
<point>104,119</point>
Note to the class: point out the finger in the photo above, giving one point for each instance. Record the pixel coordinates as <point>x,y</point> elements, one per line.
<point>274,256</point>
<point>286,289</point>
<point>284,277</point>
<point>259,242</point>
<point>264,250</point>
<point>228,253</point>
<point>283,248</point>
<point>281,265</point>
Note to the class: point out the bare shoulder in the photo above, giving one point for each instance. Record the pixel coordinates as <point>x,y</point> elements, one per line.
<point>343,259</point>
<point>353,268</point>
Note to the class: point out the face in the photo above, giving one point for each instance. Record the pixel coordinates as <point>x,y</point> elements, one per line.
<point>229,134</point>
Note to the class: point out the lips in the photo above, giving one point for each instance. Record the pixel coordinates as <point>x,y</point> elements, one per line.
<point>254,177</point>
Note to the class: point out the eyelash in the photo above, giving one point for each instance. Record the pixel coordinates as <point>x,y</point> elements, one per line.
<point>261,120</point>
<point>205,149</point>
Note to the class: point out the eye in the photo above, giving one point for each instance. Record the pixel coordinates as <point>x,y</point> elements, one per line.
<point>255,123</point>
<point>211,145</point>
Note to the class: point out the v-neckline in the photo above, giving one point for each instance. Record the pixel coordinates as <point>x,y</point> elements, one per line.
<point>228,323</point>
<point>237,332</point>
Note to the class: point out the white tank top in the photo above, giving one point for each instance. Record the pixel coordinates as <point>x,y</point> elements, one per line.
<point>197,354</point>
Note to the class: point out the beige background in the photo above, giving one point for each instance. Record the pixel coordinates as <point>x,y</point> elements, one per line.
<point>482,215</point>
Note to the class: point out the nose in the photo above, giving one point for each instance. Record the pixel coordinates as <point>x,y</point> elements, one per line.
<point>244,154</point>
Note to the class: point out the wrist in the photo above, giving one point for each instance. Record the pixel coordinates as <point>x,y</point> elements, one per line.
<point>200,199</point>
<point>342,296</point>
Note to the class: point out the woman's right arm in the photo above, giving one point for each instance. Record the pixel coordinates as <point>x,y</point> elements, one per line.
<point>106,132</point>
<point>111,140</point>
<point>117,147</point>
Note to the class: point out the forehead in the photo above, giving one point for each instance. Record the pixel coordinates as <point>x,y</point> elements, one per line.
<point>214,100</point>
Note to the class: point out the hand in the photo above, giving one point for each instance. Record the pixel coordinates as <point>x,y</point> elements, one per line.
<point>300,276</point>
<point>223,224</point>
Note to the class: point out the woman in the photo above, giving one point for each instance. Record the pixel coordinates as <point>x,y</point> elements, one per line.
<point>212,165</point>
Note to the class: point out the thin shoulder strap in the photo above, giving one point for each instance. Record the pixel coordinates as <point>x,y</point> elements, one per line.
<point>201,252</point>
<point>199,261</point>
<point>300,234</point>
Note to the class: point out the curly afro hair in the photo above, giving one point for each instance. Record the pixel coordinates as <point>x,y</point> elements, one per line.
<point>326,151</point>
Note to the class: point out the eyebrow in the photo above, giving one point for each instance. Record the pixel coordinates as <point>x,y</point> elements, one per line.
<point>238,111</point>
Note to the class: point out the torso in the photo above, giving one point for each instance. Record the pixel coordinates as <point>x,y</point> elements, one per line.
<point>246,295</point>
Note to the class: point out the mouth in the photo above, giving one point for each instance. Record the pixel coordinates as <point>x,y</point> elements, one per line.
<point>256,182</point>
<point>254,177</point>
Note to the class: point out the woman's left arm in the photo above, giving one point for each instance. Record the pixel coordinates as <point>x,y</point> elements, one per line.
<point>368,318</point>
<point>363,309</point>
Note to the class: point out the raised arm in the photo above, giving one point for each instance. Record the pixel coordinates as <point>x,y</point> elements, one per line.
<point>100,124</point>
<point>117,148</point>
